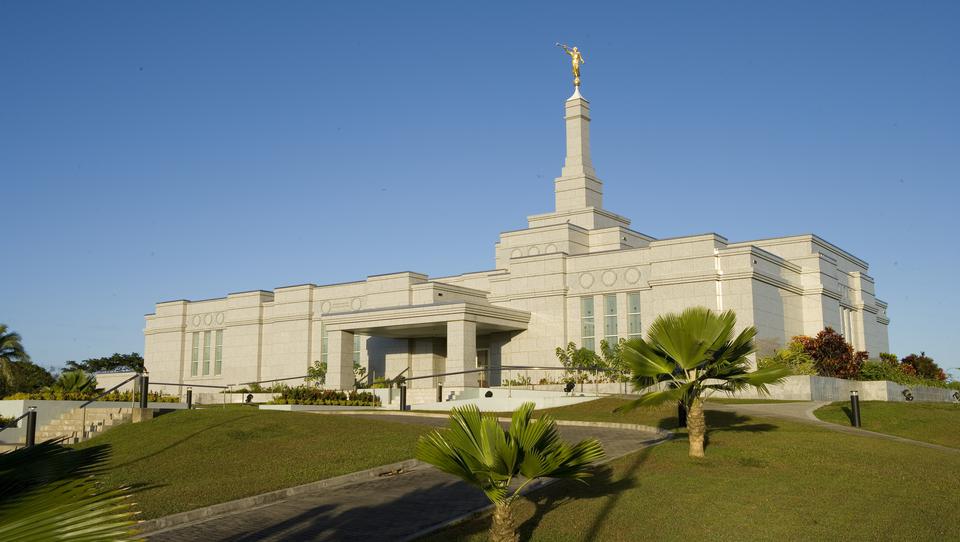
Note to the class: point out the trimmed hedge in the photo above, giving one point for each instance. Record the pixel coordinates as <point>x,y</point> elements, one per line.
<point>307,395</point>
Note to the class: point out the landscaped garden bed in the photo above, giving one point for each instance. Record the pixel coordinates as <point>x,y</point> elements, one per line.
<point>307,395</point>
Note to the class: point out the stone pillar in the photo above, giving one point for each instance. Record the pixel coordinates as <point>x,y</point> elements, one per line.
<point>461,353</point>
<point>578,186</point>
<point>340,360</point>
<point>421,363</point>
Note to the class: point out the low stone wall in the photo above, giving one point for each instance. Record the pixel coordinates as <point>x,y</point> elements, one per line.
<point>823,388</point>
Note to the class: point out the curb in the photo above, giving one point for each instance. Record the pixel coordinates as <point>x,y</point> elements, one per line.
<point>154,526</point>
<point>578,423</point>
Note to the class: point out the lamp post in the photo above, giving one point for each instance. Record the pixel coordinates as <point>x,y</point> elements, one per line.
<point>855,407</point>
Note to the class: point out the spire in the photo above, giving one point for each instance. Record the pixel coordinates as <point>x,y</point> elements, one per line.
<point>577,187</point>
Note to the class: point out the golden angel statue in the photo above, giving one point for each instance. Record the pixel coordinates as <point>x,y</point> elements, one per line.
<point>576,60</point>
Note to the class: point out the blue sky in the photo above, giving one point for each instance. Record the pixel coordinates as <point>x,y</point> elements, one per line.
<point>165,150</point>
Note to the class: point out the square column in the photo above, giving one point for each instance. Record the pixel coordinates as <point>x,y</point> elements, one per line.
<point>340,360</point>
<point>423,363</point>
<point>461,353</point>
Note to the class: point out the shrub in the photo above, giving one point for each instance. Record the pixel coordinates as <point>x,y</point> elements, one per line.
<point>119,396</point>
<point>923,366</point>
<point>308,395</point>
<point>793,357</point>
<point>832,355</point>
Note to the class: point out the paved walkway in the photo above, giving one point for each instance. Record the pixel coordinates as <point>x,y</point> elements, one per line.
<point>803,412</point>
<point>391,508</point>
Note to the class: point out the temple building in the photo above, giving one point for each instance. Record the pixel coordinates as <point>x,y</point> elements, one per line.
<point>578,273</point>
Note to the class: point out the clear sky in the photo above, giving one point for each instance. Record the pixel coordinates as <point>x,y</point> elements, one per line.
<point>164,150</point>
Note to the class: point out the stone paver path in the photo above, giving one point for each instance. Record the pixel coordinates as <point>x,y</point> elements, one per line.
<point>803,412</point>
<point>392,508</point>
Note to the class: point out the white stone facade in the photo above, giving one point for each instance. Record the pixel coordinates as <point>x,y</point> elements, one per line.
<point>532,302</point>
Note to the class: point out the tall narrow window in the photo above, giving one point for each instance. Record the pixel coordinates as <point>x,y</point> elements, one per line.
<point>356,348</point>
<point>195,355</point>
<point>633,315</point>
<point>586,323</point>
<point>218,353</point>
<point>324,343</point>
<point>610,319</point>
<point>206,353</point>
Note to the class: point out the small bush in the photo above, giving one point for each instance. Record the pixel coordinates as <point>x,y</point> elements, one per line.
<point>793,357</point>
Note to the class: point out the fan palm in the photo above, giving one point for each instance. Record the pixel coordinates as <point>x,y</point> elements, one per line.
<point>11,350</point>
<point>690,353</point>
<point>476,449</point>
<point>48,492</point>
<point>75,382</point>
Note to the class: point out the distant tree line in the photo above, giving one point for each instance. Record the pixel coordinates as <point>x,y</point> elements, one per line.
<point>19,374</point>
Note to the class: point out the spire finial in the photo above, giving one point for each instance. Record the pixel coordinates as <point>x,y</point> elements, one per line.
<point>576,59</point>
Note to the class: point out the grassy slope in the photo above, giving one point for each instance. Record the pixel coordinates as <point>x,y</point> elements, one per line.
<point>762,479</point>
<point>189,459</point>
<point>938,423</point>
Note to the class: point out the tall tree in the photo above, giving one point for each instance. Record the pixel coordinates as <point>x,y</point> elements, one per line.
<point>27,377</point>
<point>117,362</point>
<point>11,351</point>
<point>690,353</point>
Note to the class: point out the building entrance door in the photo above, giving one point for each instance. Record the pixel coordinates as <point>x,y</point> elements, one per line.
<point>483,362</point>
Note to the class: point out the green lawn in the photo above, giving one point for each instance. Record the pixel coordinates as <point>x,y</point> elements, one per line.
<point>187,459</point>
<point>938,423</point>
<point>602,410</point>
<point>728,401</point>
<point>762,479</point>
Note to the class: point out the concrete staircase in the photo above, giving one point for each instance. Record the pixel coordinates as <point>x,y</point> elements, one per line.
<point>71,424</point>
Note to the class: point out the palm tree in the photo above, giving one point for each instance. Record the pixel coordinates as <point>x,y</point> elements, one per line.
<point>690,353</point>
<point>50,492</point>
<point>11,350</point>
<point>476,449</point>
<point>75,382</point>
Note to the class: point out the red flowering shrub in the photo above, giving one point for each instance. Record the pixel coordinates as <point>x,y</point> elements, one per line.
<point>923,366</point>
<point>833,355</point>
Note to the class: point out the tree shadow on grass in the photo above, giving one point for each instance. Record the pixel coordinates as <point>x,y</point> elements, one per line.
<point>177,442</point>
<point>723,421</point>
<point>385,509</point>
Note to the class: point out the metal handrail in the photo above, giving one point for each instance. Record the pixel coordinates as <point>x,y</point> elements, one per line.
<point>187,385</point>
<point>111,390</point>
<point>15,421</point>
<point>514,367</point>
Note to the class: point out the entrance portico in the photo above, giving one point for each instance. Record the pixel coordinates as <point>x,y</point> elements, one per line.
<point>426,327</point>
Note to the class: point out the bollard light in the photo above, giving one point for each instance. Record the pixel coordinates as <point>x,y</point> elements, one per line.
<point>439,393</point>
<point>31,426</point>
<point>189,398</point>
<point>403,396</point>
<point>855,407</point>
<point>144,389</point>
